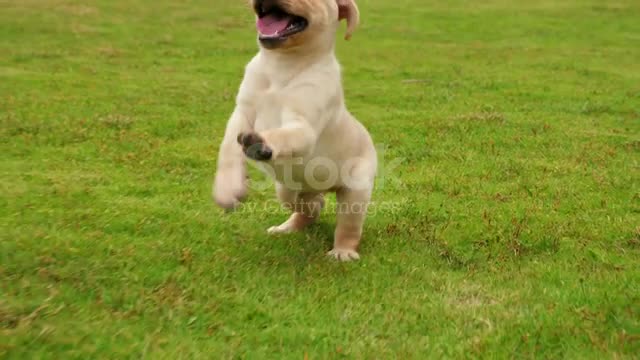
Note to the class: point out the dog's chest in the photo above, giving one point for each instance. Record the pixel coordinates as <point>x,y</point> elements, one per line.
<point>269,104</point>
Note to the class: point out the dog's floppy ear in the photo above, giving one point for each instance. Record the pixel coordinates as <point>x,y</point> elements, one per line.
<point>349,10</point>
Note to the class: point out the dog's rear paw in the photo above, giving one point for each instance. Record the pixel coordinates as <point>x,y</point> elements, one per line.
<point>344,254</point>
<point>280,229</point>
<point>296,222</point>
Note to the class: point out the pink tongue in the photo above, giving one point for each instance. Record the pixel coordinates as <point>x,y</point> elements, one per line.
<point>271,25</point>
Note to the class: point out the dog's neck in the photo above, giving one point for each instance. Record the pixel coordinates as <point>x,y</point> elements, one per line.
<point>297,56</point>
<point>292,62</point>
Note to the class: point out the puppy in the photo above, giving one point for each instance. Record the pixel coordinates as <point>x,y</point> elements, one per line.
<point>290,119</point>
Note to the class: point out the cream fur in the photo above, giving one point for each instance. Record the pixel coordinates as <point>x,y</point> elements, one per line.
<point>292,98</point>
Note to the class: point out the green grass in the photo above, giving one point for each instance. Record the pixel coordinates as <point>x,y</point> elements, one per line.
<point>511,228</point>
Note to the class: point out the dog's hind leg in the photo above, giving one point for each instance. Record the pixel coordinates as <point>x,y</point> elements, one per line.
<point>306,208</point>
<point>351,212</point>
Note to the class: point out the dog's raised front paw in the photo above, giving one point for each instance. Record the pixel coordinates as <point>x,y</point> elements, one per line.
<point>254,147</point>
<point>344,254</point>
<point>230,187</point>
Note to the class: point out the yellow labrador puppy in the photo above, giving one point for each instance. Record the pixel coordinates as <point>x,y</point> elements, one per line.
<point>290,119</point>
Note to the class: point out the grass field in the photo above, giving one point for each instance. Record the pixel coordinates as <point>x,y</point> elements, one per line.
<point>511,228</point>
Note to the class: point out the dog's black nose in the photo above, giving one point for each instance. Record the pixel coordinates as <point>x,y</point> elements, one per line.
<point>263,6</point>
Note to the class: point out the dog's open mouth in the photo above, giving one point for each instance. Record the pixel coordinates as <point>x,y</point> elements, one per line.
<point>275,24</point>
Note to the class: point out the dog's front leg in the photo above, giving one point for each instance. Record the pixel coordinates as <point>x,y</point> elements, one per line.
<point>295,138</point>
<point>292,140</point>
<point>230,186</point>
